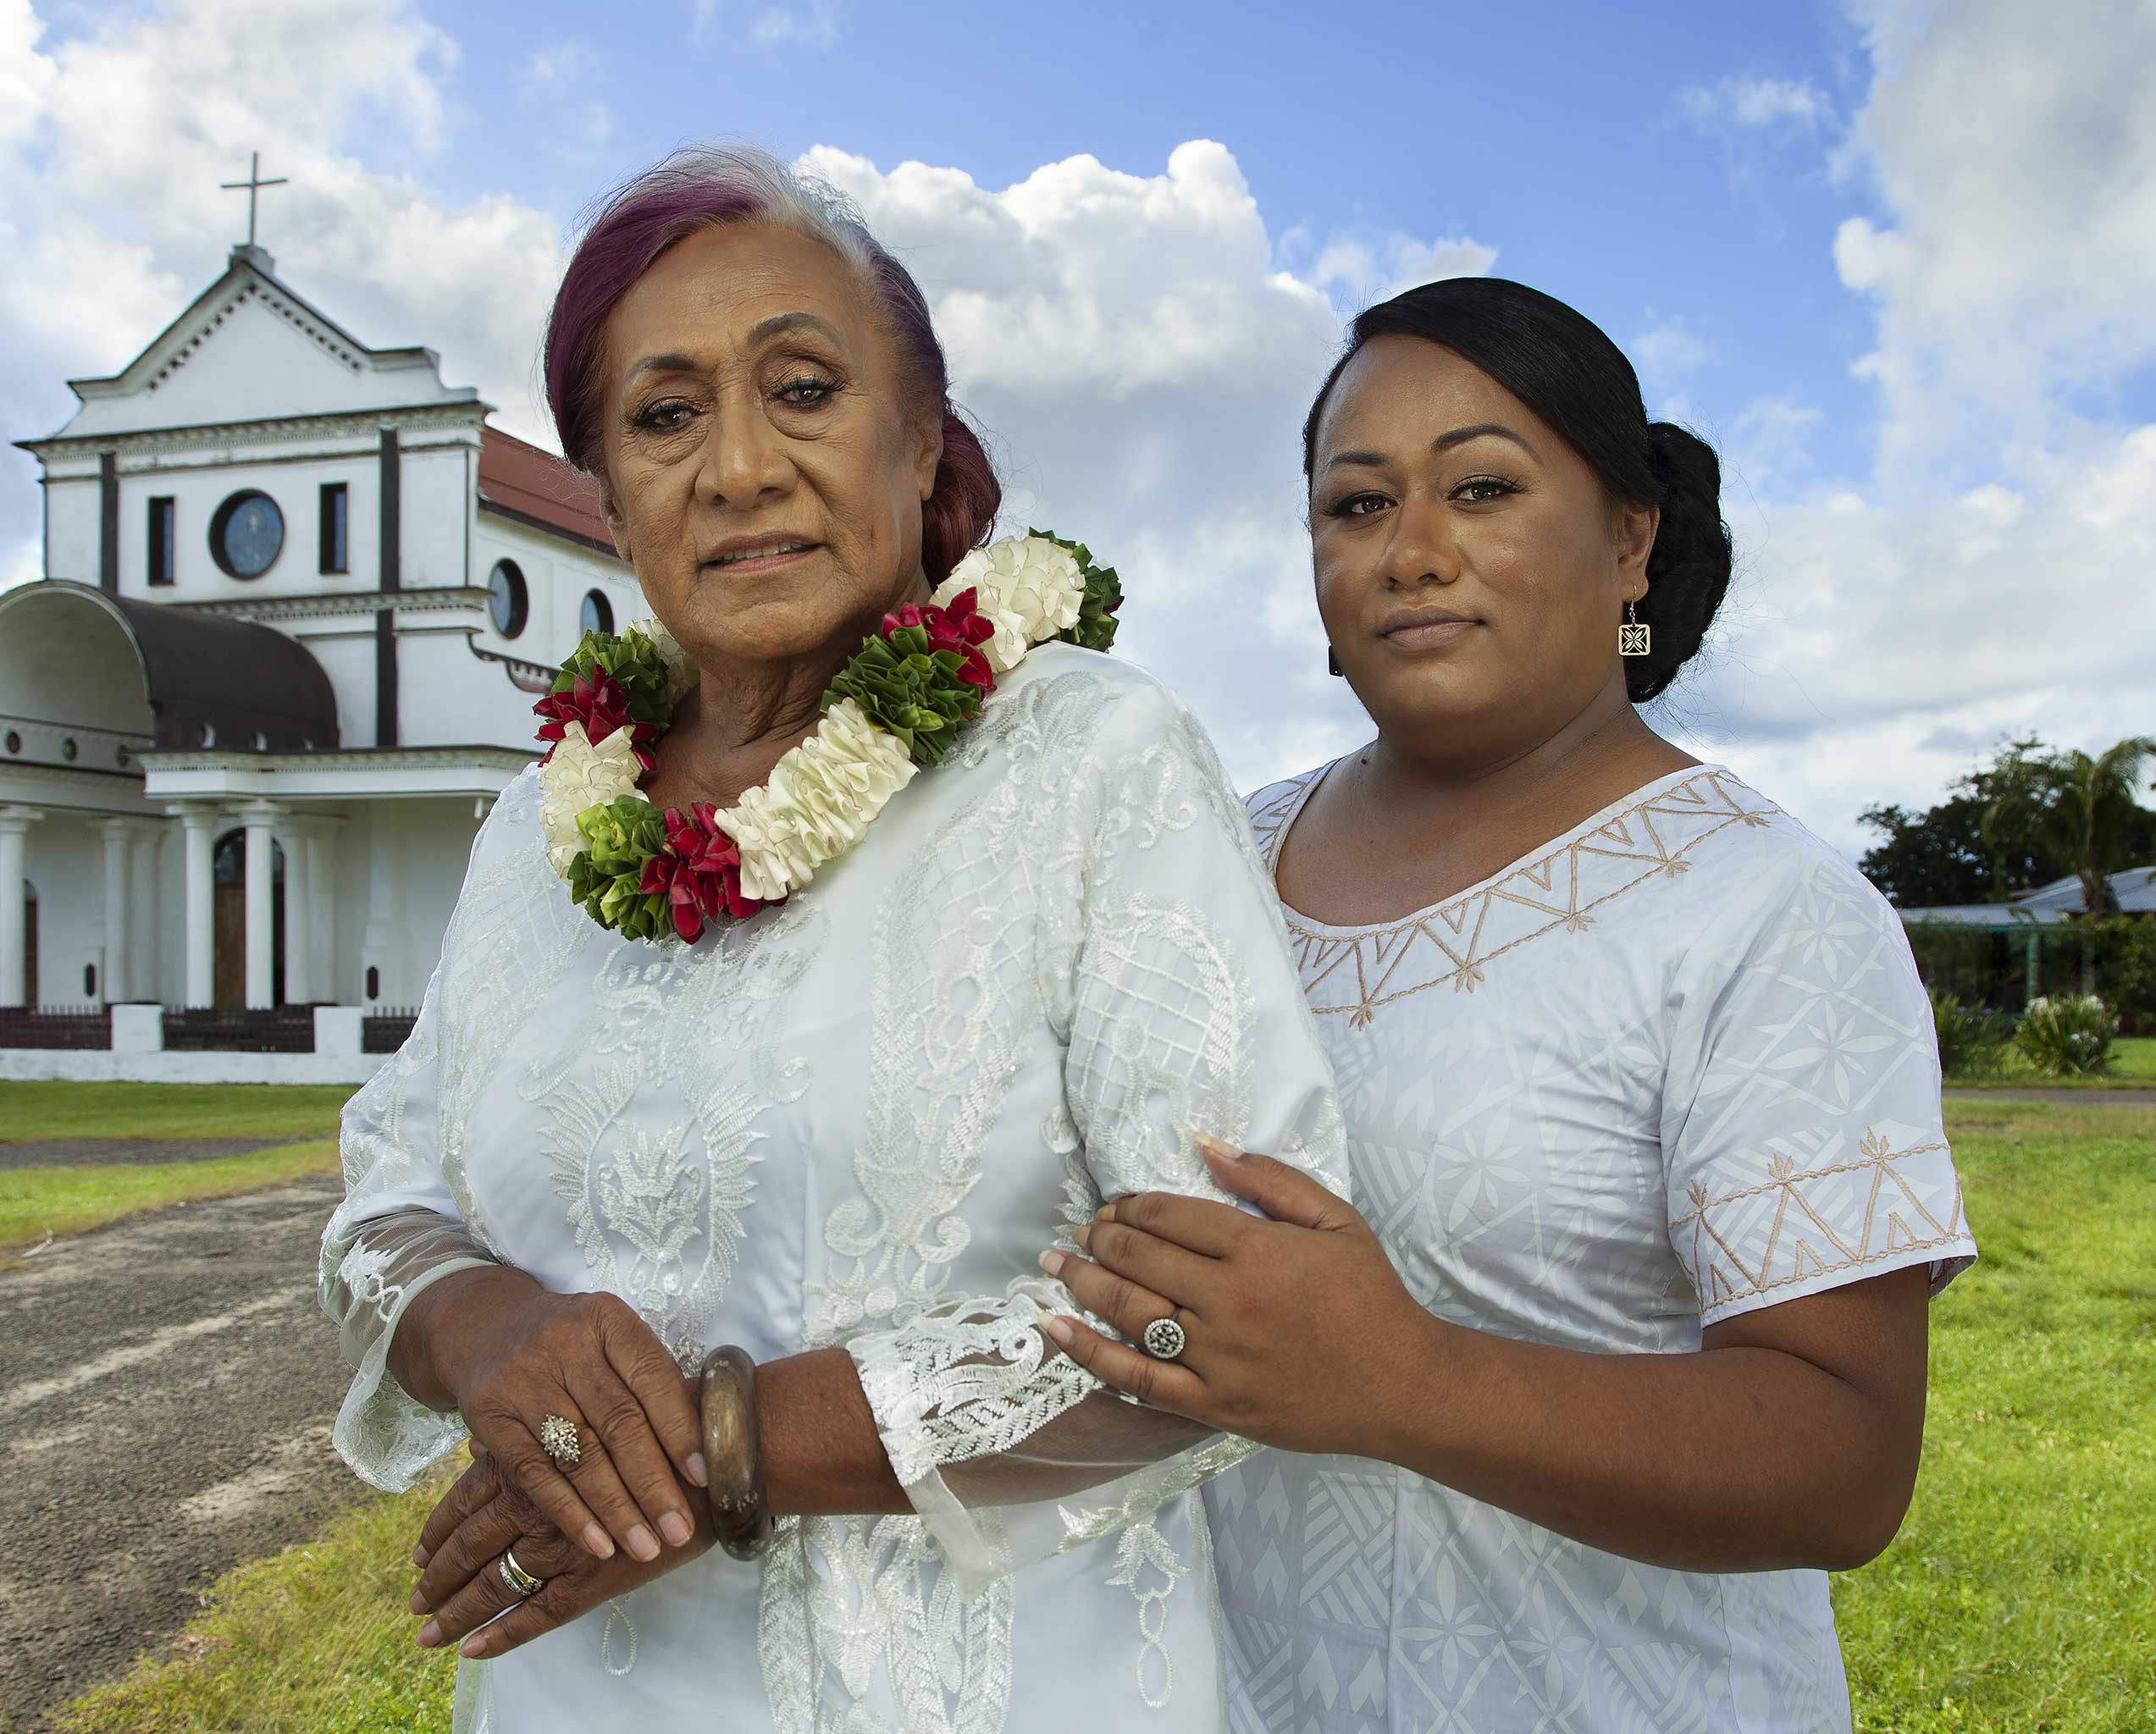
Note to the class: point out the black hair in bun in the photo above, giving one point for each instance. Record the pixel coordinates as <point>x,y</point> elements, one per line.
<point>1562,365</point>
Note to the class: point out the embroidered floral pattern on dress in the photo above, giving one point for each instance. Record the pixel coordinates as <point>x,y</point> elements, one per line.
<point>822,1126</point>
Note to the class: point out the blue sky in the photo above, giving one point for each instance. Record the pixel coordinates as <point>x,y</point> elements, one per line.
<point>1897,259</point>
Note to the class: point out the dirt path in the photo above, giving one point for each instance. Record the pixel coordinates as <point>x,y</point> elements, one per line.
<point>77,1152</point>
<point>167,1386</point>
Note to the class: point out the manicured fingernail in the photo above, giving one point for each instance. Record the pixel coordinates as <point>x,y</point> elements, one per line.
<point>419,1558</point>
<point>1059,1329</point>
<point>699,1476</point>
<point>1210,1146</point>
<point>1104,1212</point>
<point>641,1545</point>
<point>598,1542</point>
<point>675,1527</point>
<point>474,1647</point>
<point>1083,1236</point>
<point>1052,1263</point>
<point>418,1601</point>
<point>430,1634</point>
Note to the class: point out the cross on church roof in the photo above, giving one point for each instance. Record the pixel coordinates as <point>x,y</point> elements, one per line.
<point>254,183</point>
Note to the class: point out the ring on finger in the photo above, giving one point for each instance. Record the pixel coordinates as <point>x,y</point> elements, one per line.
<point>521,1583</point>
<point>1164,1339</point>
<point>558,1438</point>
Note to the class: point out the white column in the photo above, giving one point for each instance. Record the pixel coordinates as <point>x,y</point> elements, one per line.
<point>147,893</point>
<point>381,871</point>
<point>260,818</point>
<point>299,926</point>
<point>118,834</point>
<point>14,828</point>
<point>201,902</point>
<point>321,833</point>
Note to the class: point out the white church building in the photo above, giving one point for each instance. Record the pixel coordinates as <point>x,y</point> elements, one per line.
<point>299,598</point>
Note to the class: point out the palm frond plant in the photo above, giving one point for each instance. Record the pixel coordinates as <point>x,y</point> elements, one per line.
<point>2079,809</point>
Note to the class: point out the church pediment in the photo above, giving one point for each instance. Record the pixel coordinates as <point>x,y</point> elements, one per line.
<point>248,349</point>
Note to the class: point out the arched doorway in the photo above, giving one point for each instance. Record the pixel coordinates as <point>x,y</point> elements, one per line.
<point>229,874</point>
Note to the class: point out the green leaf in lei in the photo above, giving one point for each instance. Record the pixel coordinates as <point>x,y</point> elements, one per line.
<point>633,661</point>
<point>910,690</point>
<point>1095,627</point>
<point>606,877</point>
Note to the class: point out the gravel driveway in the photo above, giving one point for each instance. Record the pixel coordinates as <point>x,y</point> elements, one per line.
<point>167,1386</point>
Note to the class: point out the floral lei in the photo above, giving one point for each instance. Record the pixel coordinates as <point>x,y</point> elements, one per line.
<point>896,708</point>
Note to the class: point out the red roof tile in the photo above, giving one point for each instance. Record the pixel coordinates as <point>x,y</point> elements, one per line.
<point>526,482</point>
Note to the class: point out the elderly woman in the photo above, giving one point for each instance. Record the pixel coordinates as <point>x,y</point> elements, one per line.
<point>1625,1348</point>
<point>750,1049</point>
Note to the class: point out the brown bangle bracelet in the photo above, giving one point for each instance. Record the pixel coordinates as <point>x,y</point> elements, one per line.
<point>734,1456</point>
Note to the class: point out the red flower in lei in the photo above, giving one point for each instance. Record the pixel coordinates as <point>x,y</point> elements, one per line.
<point>959,628</point>
<point>699,873</point>
<point>601,705</point>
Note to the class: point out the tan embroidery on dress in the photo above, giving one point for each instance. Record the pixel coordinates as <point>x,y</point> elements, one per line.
<point>1455,943</point>
<point>1896,1222</point>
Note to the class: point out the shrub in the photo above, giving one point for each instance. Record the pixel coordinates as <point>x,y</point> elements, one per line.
<point>1972,1039</point>
<point>2067,1037</point>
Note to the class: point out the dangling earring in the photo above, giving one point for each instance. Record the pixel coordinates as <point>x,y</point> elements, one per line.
<point>1634,635</point>
<point>1332,662</point>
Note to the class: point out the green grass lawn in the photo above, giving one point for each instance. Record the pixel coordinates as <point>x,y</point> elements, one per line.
<point>35,1202</point>
<point>2021,1594</point>
<point>2133,1067</point>
<point>33,1113</point>
<point>314,1640</point>
<point>2016,1601</point>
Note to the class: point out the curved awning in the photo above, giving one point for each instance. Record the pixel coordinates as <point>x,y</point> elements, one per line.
<point>228,683</point>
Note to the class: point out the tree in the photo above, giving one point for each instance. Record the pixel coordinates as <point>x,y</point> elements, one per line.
<point>2081,808</point>
<point>1934,859</point>
<point>1941,857</point>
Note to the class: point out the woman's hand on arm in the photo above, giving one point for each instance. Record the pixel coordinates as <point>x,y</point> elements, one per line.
<point>506,1354</point>
<point>1790,1439</point>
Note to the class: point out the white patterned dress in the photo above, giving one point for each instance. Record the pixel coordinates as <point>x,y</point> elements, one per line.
<point>858,1119</point>
<point>1674,1066</point>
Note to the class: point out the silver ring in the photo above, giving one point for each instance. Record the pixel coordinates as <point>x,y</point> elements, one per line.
<point>1164,1339</point>
<point>521,1583</point>
<point>560,1441</point>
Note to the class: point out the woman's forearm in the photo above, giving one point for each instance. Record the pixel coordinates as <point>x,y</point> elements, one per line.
<point>822,1454</point>
<point>437,1319</point>
<point>1731,1459</point>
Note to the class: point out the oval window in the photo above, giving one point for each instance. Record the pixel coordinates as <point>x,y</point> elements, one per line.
<point>508,602</point>
<point>598,613</point>
<point>247,534</point>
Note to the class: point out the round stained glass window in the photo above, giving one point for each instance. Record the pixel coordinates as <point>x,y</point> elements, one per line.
<point>508,603</point>
<point>247,535</point>
<point>597,614</point>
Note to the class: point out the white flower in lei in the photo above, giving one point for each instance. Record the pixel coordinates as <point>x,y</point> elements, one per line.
<point>1031,587</point>
<point>650,875</point>
<point>578,776</point>
<point>818,802</point>
<point>682,671</point>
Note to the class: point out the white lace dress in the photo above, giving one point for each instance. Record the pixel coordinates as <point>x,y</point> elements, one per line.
<point>1674,1066</point>
<point>858,1119</point>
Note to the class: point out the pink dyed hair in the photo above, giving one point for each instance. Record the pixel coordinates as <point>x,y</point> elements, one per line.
<point>696,189</point>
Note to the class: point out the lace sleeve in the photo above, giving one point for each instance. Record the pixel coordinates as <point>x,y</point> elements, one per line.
<point>1180,1013</point>
<point>402,1227</point>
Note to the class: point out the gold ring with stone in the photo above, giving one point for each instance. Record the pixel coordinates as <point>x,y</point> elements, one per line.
<point>558,1438</point>
<point>521,1583</point>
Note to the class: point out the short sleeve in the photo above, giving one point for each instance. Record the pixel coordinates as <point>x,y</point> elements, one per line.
<point>1802,1132</point>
